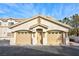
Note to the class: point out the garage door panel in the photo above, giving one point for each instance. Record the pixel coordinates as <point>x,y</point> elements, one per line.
<point>23,39</point>
<point>54,39</point>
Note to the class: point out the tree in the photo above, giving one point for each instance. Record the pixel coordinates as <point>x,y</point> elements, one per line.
<point>75,20</point>
<point>75,23</point>
<point>66,20</point>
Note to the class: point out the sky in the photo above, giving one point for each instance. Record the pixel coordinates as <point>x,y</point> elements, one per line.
<point>27,10</point>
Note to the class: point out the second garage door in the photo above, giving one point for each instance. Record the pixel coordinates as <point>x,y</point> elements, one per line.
<point>54,38</point>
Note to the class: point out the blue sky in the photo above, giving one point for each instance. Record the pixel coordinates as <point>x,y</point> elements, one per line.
<point>26,10</point>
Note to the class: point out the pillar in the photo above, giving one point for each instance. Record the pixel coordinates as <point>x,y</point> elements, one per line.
<point>34,38</point>
<point>67,39</point>
<point>13,39</point>
<point>45,39</point>
<point>64,38</point>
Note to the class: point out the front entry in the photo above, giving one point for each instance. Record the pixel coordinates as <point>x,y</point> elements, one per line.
<point>39,36</point>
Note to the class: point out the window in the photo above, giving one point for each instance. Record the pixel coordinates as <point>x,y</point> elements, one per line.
<point>49,32</point>
<point>22,32</point>
<point>25,32</point>
<point>18,32</point>
<point>11,23</point>
<point>52,32</point>
<point>60,32</point>
<point>56,32</point>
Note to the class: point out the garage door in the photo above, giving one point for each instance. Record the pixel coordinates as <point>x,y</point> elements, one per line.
<point>4,42</point>
<point>54,38</point>
<point>23,38</point>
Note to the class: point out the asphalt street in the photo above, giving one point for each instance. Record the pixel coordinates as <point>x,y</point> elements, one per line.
<point>39,51</point>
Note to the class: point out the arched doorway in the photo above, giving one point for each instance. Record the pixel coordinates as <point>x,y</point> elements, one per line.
<point>39,36</point>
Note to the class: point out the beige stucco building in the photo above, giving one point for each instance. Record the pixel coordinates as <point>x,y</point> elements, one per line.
<point>38,30</point>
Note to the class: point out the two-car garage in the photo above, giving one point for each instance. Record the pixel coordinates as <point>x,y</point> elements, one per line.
<point>25,38</point>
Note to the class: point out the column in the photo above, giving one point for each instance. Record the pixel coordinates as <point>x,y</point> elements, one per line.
<point>67,39</point>
<point>64,38</point>
<point>45,39</point>
<point>13,39</point>
<point>34,39</point>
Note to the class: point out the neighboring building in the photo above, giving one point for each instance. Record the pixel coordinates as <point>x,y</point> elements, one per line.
<point>38,30</point>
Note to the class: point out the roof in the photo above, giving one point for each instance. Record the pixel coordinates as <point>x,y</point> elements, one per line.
<point>15,19</point>
<point>45,17</point>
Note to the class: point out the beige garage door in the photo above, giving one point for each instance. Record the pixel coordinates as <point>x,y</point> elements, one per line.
<point>54,38</point>
<point>23,38</point>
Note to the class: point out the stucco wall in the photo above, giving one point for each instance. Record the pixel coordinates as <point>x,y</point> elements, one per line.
<point>53,26</point>
<point>3,31</point>
<point>25,26</point>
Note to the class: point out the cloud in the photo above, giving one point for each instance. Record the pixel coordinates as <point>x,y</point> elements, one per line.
<point>24,10</point>
<point>20,9</point>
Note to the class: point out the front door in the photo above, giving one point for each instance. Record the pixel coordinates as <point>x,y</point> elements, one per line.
<point>39,36</point>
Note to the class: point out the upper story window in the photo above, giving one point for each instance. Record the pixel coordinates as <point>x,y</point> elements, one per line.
<point>11,23</point>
